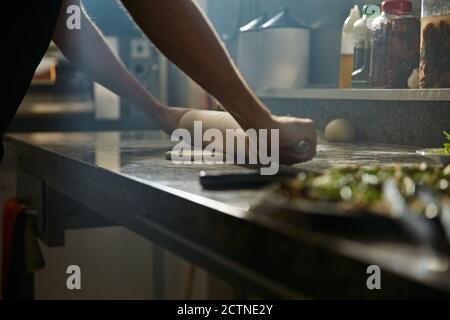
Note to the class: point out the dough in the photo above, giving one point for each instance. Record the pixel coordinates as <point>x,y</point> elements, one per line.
<point>210,120</point>
<point>340,130</point>
<point>414,80</point>
<point>218,120</point>
<point>192,155</point>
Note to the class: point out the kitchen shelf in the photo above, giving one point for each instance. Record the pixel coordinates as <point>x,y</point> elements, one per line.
<point>54,108</point>
<point>359,94</point>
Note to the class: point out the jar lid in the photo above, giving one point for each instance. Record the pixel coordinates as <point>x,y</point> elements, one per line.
<point>392,6</point>
<point>284,19</point>
<point>255,24</point>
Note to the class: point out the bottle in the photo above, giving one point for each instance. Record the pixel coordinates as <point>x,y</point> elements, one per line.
<point>435,44</point>
<point>395,42</point>
<point>361,38</point>
<point>345,76</point>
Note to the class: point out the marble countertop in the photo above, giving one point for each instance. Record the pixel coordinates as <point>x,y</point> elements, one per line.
<point>141,155</point>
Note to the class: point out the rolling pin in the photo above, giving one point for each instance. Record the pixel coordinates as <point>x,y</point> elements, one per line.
<point>210,120</point>
<point>221,121</point>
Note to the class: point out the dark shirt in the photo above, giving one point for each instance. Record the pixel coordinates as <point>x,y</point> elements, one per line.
<point>26,36</point>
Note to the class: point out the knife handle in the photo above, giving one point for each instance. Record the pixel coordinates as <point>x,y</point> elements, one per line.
<point>302,147</point>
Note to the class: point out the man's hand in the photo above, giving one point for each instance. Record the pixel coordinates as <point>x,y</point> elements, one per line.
<point>293,131</point>
<point>169,117</point>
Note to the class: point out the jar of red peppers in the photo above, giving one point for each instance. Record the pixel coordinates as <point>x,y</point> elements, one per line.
<point>395,39</point>
<point>435,45</point>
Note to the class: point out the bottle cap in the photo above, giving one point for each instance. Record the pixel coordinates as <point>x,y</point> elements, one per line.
<point>371,10</point>
<point>354,12</point>
<point>393,6</point>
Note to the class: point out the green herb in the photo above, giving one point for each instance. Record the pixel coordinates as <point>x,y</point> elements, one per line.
<point>447,145</point>
<point>362,188</point>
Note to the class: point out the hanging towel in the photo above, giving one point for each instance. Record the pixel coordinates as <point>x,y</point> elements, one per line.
<point>12,210</point>
<point>21,253</point>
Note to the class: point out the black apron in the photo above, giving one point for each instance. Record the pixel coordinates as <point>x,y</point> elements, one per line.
<point>26,28</point>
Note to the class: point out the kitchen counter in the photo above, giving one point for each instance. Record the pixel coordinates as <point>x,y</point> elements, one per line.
<point>77,180</point>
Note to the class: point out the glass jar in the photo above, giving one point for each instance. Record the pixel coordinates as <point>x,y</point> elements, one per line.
<point>395,41</point>
<point>435,44</point>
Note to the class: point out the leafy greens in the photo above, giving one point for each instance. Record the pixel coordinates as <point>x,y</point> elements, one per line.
<point>447,145</point>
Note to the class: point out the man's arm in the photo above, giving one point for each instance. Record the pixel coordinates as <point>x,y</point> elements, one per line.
<point>88,49</point>
<point>182,33</point>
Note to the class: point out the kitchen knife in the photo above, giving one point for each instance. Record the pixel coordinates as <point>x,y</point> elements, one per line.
<point>243,179</point>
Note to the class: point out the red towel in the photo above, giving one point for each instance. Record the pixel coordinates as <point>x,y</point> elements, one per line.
<point>12,210</point>
<point>21,252</point>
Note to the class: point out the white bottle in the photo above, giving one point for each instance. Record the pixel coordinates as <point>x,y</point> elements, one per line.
<point>361,40</point>
<point>347,49</point>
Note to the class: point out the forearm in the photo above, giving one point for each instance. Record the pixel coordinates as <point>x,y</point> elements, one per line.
<point>88,49</point>
<point>180,30</point>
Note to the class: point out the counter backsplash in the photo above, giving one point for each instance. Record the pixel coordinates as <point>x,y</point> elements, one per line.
<point>412,123</point>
